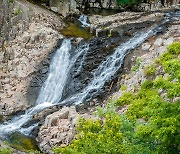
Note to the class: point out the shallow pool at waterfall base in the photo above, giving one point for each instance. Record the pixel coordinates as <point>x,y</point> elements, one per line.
<point>75,30</point>
<point>22,143</point>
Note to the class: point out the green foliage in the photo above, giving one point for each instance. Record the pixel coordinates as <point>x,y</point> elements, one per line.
<point>128,3</point>
<point>17,12</point>
<point>100,112</point>
<point>113,135</point>
<point>151,125</point>
<point>137,65</point>
<point>170,61</point>
<point>5,151</point>
<point>150,70</point>
<point>127,98</point>
<point>162,120</point>
<point>123,88</point>
<point>174,48</point>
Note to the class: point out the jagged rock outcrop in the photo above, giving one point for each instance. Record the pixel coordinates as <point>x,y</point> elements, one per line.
<point>157,5</point>
<point>67,7</point>
<point>64,7</point>
<point>58,129</point>
<point>122,22</point>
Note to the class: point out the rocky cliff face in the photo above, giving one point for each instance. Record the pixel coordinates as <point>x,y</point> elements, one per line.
<point>33,35</point>
<point>64,7</point>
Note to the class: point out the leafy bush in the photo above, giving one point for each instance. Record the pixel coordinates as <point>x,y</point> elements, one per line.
<point>170,61</point>
<point>162,120</point>
<point>174,48</point>
<point>113,135</point>
<point>125,99</point>
<point>5,151</point>
<point>123,88</point>
<point>137,65</point>
<point>151,125</point>
<point>128,3</point>
<point>150,70</point>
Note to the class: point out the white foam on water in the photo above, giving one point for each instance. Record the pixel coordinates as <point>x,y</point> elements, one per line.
<point>84,20</point>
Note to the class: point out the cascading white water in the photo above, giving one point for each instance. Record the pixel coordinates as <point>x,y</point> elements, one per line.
<point>84,20</point>
<point>27,131</point>
<point>51,91</point>
<point>107,69</point>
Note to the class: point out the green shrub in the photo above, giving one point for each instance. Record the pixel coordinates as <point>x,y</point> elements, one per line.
<point>128,3</point>
<point>123,88</point>
<point>125,99</point>
<point>150,70</point>
<point>170,61</point>
<point>5,151</point>
<point>115,135</point>
<point>137,65</point>
<point>147,84</point>
<point>151,124</point>
<point>174,48</point>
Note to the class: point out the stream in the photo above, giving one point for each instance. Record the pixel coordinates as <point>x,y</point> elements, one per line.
<point>63,61</point>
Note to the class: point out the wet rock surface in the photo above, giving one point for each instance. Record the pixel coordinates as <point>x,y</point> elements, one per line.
<point>99,49</point>
<point>125,22</point>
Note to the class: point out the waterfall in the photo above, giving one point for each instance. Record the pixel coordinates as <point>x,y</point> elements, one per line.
<point>62,62</point>
<point>83,19</point>
<point>107,69</point>
<point>52,89</point>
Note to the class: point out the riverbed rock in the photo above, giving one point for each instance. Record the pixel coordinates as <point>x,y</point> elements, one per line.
<point>123,23</point>
<point>146,46</point>
<point>58,128</point>
<point>168,41</point>
<point>158,42</point>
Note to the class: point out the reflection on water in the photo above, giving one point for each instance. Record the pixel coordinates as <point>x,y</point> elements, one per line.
<point>75,30</point>
<point>22,142</point>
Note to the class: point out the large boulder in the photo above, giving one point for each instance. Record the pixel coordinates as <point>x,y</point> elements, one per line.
<point>63,7</point>
<point>58,129</point>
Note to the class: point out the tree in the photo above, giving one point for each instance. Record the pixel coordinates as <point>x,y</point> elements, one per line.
<point>128,3</point>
